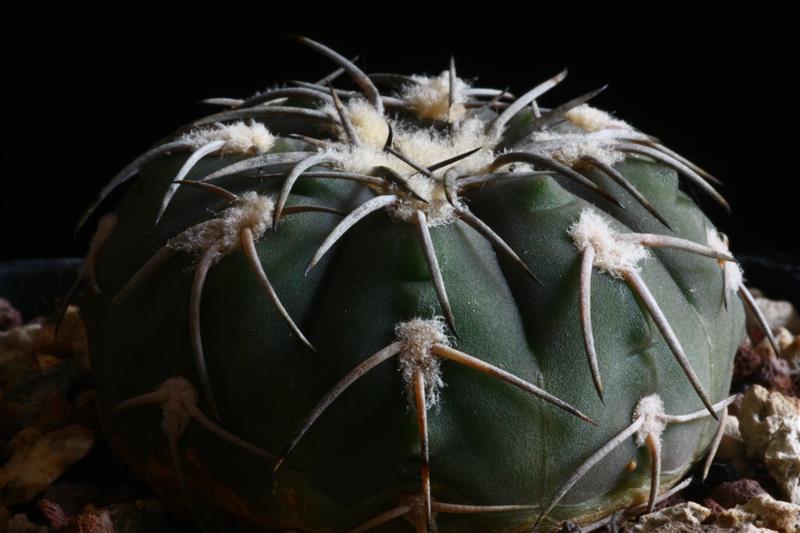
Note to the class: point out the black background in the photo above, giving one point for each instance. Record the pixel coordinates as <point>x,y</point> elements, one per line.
<point>84,93</point>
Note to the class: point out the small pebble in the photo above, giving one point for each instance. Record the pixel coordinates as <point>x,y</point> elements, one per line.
<point>732,493</point>
<point>31,470</point>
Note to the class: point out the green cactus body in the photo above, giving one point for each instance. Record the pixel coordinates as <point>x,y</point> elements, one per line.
<point>209,404</point>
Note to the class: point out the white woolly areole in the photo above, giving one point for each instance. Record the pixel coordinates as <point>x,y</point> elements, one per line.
<point>612,254</point>
<point>438,211</point>
<point>590,118</point>
<point>251,210</point>
<point>180,394</point>
<point>425,147</point>
<point>734,277</point>
<point>418,335</point>
<point>651,408</point>
<point>430,97</point>
<point>570,148</point>
<point>239,137</point>
<point>369,125</point>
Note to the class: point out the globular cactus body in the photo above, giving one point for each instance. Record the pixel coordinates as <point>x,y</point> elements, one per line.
<point>329,330</point>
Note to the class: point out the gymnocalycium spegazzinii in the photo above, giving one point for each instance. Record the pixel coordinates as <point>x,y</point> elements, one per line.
<point>410,302</point>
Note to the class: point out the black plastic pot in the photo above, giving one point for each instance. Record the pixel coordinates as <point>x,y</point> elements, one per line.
<point>36,286</point>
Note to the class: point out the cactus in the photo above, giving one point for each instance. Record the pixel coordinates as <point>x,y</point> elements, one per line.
<point>439,307</point>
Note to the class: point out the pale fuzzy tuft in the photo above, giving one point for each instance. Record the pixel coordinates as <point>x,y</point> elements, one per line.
<point>426,148</point>
<point>251,210</point>
<point>369,125</point>
<point>180,394</point>
<point>418,335</point>
<point>591,119</point>
<point>239,138</point>
<point>423,146</point>
<point>734,277</point>
<point>612,254</point>
<point>651,408</point>
<point>569,148</point>
<point>438,211</point>
<point>430,97</point>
